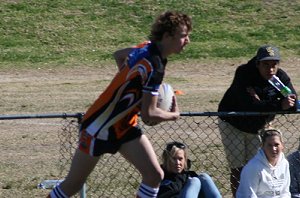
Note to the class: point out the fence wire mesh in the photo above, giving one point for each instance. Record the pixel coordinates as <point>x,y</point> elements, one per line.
<point>30,152</point>
<point>35,150</point>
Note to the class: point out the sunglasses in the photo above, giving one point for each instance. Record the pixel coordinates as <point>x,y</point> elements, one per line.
<point>177,144</point>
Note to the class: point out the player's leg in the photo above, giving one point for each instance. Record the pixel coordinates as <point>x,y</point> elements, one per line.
<point>141,154</point>
<point>82,165</point>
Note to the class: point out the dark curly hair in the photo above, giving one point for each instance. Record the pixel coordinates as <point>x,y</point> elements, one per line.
<point>169,22</point>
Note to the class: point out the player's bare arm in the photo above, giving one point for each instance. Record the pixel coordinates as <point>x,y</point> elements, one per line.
<point>150,111</point>
<point>120,56</point>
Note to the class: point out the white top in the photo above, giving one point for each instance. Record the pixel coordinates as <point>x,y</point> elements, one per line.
<point>259,179</point>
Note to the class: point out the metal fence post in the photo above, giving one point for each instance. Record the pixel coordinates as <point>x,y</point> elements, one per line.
<point>83,191</point>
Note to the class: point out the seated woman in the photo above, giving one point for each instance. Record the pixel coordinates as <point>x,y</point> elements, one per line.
<point>266,175</point>
<point>294,161</point>
<point>178,181</point>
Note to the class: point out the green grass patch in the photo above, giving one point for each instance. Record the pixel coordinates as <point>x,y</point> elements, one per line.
<point>66,33</point>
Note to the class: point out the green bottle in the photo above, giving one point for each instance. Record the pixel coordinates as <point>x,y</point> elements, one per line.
<point>284,90</point>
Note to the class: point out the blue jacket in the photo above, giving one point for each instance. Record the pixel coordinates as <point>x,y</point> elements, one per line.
<point>294,161</point>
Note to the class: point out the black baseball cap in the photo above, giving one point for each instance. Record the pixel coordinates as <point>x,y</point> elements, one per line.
<point>268,52</point>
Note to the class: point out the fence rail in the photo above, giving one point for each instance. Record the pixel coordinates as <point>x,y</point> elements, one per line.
<point>40,116</point>
<point>40,146</point>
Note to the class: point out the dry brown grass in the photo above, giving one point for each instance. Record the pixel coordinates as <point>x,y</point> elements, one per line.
<point>25,143</point>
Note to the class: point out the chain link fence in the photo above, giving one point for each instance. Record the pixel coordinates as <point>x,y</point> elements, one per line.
<point>34,148</point>
<point>50,145</point>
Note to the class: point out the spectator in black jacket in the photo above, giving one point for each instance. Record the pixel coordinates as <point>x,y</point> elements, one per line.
<point>251,91</point>
<point>179,181</point>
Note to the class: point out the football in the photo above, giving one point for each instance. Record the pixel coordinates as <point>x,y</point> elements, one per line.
<point>165,97</point>
<point>164,101</point>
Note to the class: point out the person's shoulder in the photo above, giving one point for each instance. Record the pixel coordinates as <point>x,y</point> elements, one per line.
<point>142,44</point>
<point>250,65</point>
<point>250,167</point>
<point>283,76</point>
<point>281,71</point>
<point>138,54</point>
<point>140,50</point>
<point>254,164</point>
<point>293,155</point>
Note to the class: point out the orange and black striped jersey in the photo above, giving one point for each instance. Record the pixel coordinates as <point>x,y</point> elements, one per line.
<point>116,110</point>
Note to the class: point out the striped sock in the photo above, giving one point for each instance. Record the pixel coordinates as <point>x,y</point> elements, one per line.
<point>57,193</point>
<point>147,192</point>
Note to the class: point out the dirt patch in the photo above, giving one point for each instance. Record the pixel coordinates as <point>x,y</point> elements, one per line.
<point>73,90</point>
<point>29,148</point>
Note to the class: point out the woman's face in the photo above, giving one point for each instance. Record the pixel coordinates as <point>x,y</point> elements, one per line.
<point>177,162</point>
<point>267,68</point>
<point>272,148</point>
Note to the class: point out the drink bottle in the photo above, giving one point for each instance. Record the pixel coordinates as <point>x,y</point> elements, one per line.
<point>49,184</point>
<point>284,90</point>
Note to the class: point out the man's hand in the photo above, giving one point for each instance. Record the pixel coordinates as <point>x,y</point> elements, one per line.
<point>288,102</point>
<point>252,93</point>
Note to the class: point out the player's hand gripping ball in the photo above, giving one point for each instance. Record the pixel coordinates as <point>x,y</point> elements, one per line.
<point>165,100</point>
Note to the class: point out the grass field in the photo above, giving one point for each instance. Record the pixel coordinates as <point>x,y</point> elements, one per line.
<point>56,57</point>
<point>52,34</point>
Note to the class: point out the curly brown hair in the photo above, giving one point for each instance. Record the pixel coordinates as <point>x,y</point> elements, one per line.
<point>168,22</point>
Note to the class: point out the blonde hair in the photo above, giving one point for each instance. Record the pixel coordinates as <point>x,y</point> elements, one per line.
<point>170,151</point>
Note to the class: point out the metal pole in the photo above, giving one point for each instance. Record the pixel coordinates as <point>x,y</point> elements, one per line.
<point>83,191</point>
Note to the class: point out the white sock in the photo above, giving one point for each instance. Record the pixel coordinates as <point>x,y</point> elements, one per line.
<point>58,193</point>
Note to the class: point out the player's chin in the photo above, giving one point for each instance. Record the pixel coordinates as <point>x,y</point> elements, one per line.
<point>179,50</point>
